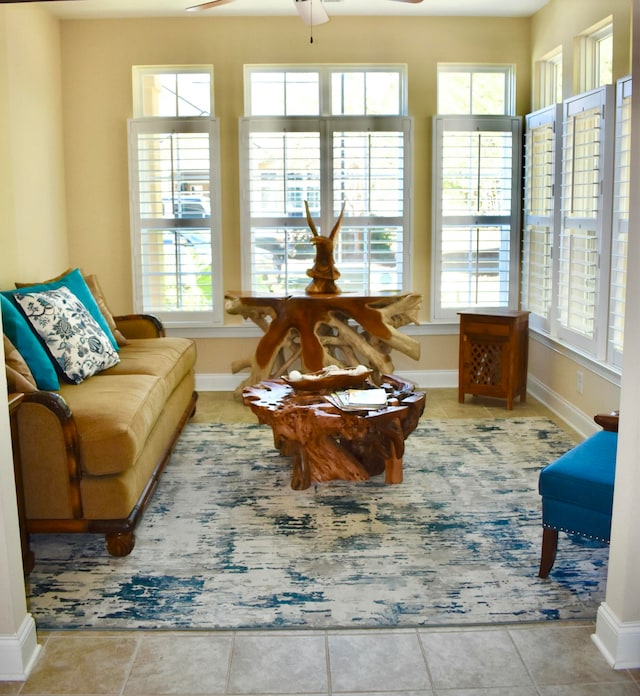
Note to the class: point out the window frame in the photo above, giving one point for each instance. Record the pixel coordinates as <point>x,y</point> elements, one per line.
<point>547,118</point>
<point>507,70</point>
<point>326,125</point>
<point>588,58</point>
<point>598,224</point>
<point>180,224</point>
<point>513,125</point>
<point>620,222</point>
<point>324,73</point>
<point>549,84</point>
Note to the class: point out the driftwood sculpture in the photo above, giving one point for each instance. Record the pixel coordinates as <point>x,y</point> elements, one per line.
<point>324,271</point>
<point>317,330</point>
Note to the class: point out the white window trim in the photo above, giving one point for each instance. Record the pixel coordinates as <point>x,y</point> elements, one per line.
<point>620,223</point>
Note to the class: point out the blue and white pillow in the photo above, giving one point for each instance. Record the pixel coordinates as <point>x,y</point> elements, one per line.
<point>75,341</point>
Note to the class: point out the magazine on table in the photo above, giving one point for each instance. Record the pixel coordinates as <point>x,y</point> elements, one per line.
<point>358,399</point>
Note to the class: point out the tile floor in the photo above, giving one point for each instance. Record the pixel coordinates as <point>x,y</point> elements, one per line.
<point>540,659</point>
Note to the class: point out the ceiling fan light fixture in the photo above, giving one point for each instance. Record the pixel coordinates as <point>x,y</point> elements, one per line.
<point>311,13</point>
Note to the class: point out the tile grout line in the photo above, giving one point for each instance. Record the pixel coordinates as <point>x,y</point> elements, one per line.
<point>134,656</point>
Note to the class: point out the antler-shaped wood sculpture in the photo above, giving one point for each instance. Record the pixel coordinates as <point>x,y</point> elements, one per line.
<point>324,271</point>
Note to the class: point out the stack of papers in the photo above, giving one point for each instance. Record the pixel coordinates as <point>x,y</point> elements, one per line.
<point>359,399</point>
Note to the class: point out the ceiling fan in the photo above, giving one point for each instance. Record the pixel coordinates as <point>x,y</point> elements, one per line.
<point>311,14</point>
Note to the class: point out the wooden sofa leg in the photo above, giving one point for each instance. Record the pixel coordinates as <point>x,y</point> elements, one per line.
<point>120,543</point>
<point>549,548</point>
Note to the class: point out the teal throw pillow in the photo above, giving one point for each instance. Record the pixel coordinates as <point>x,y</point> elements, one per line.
<point>78,286</point>
<point>18,331</point>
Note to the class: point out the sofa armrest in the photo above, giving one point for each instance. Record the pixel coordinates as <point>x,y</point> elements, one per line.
<point>50,450</point>
<point>140,326</point>
<point>608,421</point>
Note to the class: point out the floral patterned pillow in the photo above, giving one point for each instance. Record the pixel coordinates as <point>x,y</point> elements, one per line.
<point>75,341</point>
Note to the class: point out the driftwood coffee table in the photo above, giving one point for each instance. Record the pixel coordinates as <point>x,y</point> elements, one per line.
<point>326,443</point>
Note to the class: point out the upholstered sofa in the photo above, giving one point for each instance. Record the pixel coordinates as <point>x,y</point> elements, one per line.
<point>95,431</point>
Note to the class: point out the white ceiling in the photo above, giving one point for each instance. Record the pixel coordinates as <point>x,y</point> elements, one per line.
<point>81,9</point>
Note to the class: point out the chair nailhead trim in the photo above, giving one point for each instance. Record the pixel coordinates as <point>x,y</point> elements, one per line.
<point>572,531</point>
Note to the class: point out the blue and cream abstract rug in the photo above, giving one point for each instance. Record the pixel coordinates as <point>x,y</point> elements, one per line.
<point>227,544</point>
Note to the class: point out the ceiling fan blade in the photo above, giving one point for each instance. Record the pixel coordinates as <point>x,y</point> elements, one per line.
<point>205,5</point>
<point>311,13</point>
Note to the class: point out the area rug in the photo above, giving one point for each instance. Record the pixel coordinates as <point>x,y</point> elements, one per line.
<point>227,544</point>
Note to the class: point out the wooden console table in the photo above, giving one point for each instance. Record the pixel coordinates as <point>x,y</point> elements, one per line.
<point>326,443</point>
<point>319,330</point>
<point>493,357</point>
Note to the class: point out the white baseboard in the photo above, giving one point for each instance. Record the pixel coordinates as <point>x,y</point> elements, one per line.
<point>18,652</point>
<point>619,642</point>
<point>576,419</point>
<point>423,379</point>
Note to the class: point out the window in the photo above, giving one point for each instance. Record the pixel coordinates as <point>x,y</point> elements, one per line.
<point>476,190</point>
<point>620,227</point>
<point>175,217</point>
<point>587,152</point>
<point>594,57</point>
<point>541,213</point>
<point>473,89</point>
<point>476,213</point>
<point>328,136</point>
<point>549,80</point>
<point>576,233</point>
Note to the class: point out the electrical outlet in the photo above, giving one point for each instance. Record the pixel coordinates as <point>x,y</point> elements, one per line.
<point>579,382</point>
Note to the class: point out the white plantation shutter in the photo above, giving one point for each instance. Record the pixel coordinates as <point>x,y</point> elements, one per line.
<point>620,227</point>
<point>326,161</point>
<point>541,214</point>
<point>476,212</point>
<point>175,219</point>
<point>585,229</point>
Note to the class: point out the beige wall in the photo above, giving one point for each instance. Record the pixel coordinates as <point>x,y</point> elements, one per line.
<point>88,210</point>
<point>97,61</point>
<point>33,231</point>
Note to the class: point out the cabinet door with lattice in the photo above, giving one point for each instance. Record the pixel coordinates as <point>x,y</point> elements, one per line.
<point>493,355</point>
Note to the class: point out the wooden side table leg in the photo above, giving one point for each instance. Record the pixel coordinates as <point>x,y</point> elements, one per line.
<point>393,466</point>
<point>301,472</point>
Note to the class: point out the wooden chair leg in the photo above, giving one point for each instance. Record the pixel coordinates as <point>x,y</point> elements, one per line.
<point>549,548</point>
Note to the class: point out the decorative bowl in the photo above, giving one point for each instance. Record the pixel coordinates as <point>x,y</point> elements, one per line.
<point>327,381</point>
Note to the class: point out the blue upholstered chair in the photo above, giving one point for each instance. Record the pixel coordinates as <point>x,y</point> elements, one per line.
<point>577,491</point>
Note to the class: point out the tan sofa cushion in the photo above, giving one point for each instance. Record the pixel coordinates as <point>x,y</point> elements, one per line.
<point>171,358</point>
<point>98,296</point>
<point>19,377</point>
<point>114,416</point>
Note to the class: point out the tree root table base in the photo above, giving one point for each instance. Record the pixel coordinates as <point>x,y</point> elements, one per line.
<point>326,443</point>
<point>318,330</point>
